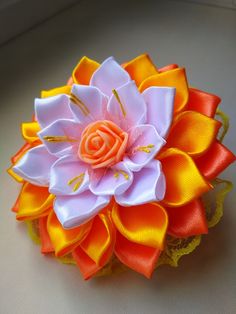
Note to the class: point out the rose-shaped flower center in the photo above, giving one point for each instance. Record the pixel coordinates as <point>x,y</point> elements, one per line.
<point>102,144</point>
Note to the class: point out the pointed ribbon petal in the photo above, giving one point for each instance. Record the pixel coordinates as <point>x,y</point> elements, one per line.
<point>84,70</point>
<point>148,186</point>
<point>183,180</point>
<point>73,211</point>
<point>193,132</point>
<point>203,102</point>
<point>168,67</point>
<point>188,220</point>
<point>100,238</point>
<point>160,107</point>
<point>140,68</point>
<point>46,243</point>
<point>29,131</point>
<point>33,202</point>
<point>50,109</point>
<point>140,258</point>
<point>115,180</point>
<point>110,75</point>
<point>215,160</point>
<point>35,166</point>
<point>68,176</point>
<point>56,91</point>
<point>145,224</point>
<point>64,241</point>
<point>173,78</point>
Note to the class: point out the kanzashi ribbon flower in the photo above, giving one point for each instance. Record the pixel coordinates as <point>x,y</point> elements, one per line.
<point>116,159</point>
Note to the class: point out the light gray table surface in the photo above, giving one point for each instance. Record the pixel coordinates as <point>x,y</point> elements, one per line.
<point>201,38</point>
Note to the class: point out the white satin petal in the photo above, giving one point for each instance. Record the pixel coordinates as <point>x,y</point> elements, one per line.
<point>91,103</point>
<point>160,105</point>
<point>115,180</point>
<point>108,76</point>
<point>35,166</point>
<point>68,176</point>
<point>68,132</point>
<point>144,143</point>
<point>130,110</point>
<point>50,109</point>
<point>148,186</point>
<point>73,211</point>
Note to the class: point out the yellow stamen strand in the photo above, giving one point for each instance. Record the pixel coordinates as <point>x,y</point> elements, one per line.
<point>119,101</point>
<point>117,174</point>
<point>77,101</point>
<point>145,149</point>
<point>79,180</point>
<point>56,139</point>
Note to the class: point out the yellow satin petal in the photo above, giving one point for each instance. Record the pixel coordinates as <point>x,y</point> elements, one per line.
<point>65,240</point>
<point>29,131</point>
<point>34,202</point>
<point>184,182</point>
<point>144,224</point>
<point>173,78</point>
<point>84,70</point>
<point>99,238</point>
<point>56,91</point>
<point>140,68</point>
<point>14,175</point>
<point>193,132</point>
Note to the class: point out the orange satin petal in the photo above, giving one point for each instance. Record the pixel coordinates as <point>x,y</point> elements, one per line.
<point>46,243</point>
<point>70,81</point>
<point>193,132</point>
<point>86,265</point>
<point>14,175</point>
<point>15,207</point>
<point>56,91</point>
<point>65,240</point>
<point>34,202</point>
<point>173,78</point>
<point>216,159</point>
<point>100,237</point>
<point>84,70</point>
<point>29,131</point>
<point>140,258</point>
<point>144,224</point>
<point>184,182</point>
<point>188,220</point>
<point>168,68</point>
<point>203,102</point>
<point>140,68</point>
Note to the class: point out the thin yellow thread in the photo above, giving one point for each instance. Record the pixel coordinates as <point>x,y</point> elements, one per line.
<point>119,101</point>
<point>145,149</point>
<point>225,123</point>
<point>117,174</point>
<point>56,139</point>
<point>79,178</point>
<point>80,104</point>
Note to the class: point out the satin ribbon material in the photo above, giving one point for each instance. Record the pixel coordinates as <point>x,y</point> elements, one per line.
<point>99,239</point>
<point>84,70</point>
<point>20,152</point>
<point>184,182</point>
<point>203,102</point>
<point>193,132</point>
<point>168,67</point>
<point>56,91</point>
<point>173,78</point>
<point>216,159</point>
<point>46,243</point>
<point>140,258</point>
<point>34,202</point>
<point>29,131</point>
<point>145,224</point>
<point>65,240</point>
<point>188,220</point>
<point>140,68</point>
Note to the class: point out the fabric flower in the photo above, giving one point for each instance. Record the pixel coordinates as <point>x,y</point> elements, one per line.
<point>115,160</point>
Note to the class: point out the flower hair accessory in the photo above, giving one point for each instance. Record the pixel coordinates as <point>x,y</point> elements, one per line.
<point>118,165</point>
